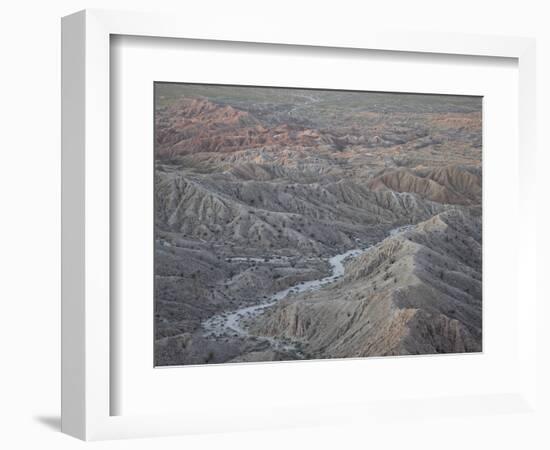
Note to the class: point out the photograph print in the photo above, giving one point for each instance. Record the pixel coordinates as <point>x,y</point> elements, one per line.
<point>299,224</point>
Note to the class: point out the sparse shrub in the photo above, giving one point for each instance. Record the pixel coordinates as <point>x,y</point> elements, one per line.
<point>209,357</point>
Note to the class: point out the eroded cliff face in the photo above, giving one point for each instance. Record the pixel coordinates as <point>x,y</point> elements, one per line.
<point>316,218</point>
<point>256,190</point>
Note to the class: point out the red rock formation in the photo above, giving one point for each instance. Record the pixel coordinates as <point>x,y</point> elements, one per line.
<point>191,126</point>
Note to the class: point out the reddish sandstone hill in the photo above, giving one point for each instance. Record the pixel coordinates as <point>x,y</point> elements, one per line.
<point>191,126</point>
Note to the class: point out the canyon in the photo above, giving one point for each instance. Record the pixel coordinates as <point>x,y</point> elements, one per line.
<point>309,224</point>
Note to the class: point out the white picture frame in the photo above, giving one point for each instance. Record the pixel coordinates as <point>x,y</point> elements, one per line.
<point>86,286</point>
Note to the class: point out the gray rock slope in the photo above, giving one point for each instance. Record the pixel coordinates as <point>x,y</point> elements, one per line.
<point>416,292</point>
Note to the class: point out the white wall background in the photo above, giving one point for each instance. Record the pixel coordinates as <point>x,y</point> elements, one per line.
<point>30,198</point>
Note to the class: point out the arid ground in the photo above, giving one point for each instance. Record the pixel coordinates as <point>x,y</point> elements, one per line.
<point>303,224</point>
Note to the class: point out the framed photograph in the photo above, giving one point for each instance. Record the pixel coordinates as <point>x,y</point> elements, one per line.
<point>267,229</point>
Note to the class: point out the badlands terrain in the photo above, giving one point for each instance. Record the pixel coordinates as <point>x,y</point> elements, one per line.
<point>303,224</point>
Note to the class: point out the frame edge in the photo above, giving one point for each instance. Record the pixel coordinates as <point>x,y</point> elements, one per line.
<point>73,83</point>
